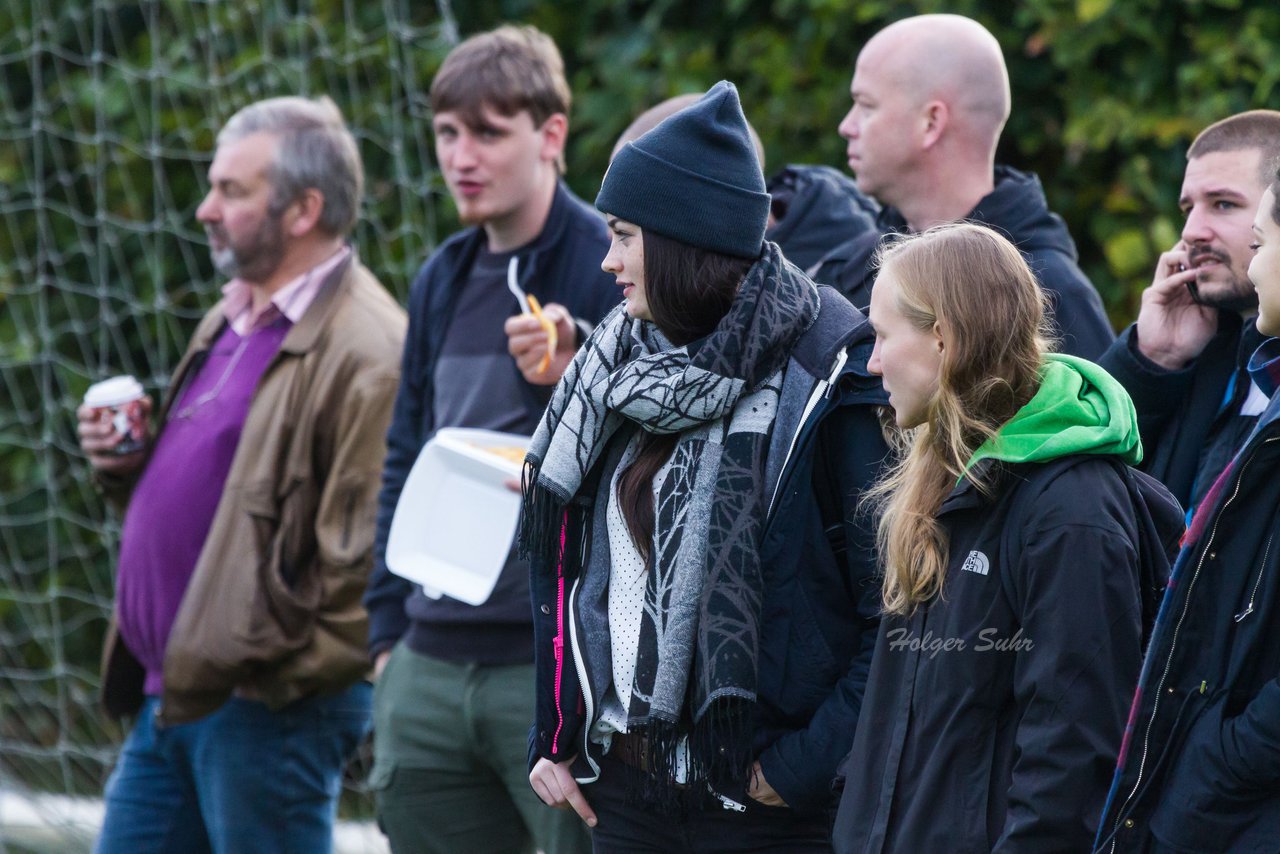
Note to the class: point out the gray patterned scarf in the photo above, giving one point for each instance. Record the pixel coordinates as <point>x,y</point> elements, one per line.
<point>696,666</point>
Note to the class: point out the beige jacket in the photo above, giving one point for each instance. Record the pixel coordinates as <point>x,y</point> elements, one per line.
<point>273,610</point>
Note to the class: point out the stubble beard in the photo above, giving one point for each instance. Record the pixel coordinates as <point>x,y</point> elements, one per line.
<point>1235,294</point>
<point>257,259</point>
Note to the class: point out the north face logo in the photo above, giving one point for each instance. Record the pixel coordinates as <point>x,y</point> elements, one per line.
<point>976,562</point>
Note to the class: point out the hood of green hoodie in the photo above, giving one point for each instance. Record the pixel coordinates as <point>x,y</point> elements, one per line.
<point>1078,409</point>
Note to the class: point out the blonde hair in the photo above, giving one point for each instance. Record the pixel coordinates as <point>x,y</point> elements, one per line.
<point>975,287</point>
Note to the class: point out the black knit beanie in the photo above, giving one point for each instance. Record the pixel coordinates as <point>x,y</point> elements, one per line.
<point>694,178</point>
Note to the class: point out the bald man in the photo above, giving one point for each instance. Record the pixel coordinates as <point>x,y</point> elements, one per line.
<point>930,98</point>
<point>814,212</point>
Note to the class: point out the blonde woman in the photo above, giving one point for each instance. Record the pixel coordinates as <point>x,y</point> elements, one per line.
<point>1015,570</point>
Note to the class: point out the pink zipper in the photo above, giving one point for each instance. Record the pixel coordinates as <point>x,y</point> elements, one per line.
<point>558,643</point>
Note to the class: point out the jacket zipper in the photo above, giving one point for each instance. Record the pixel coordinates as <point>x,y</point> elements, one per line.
<point>726,801</point>
<point>821,390</point>
<point>558,644</point>
<point>1257,582</point>
<point>1173,644</point>
<point>587,700</point>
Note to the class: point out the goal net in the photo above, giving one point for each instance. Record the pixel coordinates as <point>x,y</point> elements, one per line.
<point>108,111</point>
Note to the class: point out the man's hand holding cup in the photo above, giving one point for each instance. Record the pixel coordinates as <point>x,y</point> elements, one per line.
<point>114,425</point>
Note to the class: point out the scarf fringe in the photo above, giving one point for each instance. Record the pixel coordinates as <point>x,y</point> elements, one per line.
<point>541,519</point>
<point>719,758</point>
<point>658,789</point>
<point>720,744</point>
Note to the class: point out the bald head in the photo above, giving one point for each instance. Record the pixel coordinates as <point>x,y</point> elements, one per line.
<point>930,98</point>
<point>948,58</point>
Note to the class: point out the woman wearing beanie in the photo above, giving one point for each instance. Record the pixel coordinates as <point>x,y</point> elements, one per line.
<point>1023,564</point>
<point>703,592</point>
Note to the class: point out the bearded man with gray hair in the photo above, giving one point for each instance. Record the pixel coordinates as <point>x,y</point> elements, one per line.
<point>237,644</point>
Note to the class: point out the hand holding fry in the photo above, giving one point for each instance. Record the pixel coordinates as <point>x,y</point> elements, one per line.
<point>542,346</point>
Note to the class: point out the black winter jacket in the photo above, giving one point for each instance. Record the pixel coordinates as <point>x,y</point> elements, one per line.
<point>994,714</point>
<point>817,210</point>
<point>1178,410</point>
<point>1201,770</point>
<point>819,623</point>
<point>562,266</point>
<point>1018,209</point>
<point>821,609</point>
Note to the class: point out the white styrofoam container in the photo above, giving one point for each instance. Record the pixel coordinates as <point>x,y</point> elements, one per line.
<point>456,518</point>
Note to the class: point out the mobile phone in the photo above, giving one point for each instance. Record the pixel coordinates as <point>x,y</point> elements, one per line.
<point>1194,289</point>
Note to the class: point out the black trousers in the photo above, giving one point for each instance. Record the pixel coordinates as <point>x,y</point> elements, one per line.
<point>709,826</point>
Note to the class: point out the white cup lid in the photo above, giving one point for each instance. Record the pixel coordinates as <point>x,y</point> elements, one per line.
<point>113,392</point>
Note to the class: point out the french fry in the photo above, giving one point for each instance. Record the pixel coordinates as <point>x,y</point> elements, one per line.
<point>512,453</point>
<point>535,308</point>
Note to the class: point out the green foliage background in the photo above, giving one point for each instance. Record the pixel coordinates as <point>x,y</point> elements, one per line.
<point>108,111</point>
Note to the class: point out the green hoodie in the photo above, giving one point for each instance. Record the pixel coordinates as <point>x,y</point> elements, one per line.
<point>1078,409</point>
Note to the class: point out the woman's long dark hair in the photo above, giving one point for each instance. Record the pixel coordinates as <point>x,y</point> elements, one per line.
<point>689,290</point>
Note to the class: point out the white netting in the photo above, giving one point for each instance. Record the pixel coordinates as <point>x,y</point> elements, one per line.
<point>108,111</point>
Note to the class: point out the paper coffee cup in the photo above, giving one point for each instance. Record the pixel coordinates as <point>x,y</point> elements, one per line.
<point>122,397</point>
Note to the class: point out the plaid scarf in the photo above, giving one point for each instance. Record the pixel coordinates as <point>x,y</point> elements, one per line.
<point>696,666</point>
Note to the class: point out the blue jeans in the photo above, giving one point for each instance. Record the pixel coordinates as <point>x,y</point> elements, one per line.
<point>243,779</point>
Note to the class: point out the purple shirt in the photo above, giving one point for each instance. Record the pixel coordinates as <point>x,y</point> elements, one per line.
<point>173,505</point>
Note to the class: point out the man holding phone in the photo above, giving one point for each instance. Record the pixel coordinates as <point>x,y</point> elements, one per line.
<point>1183,361</point>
